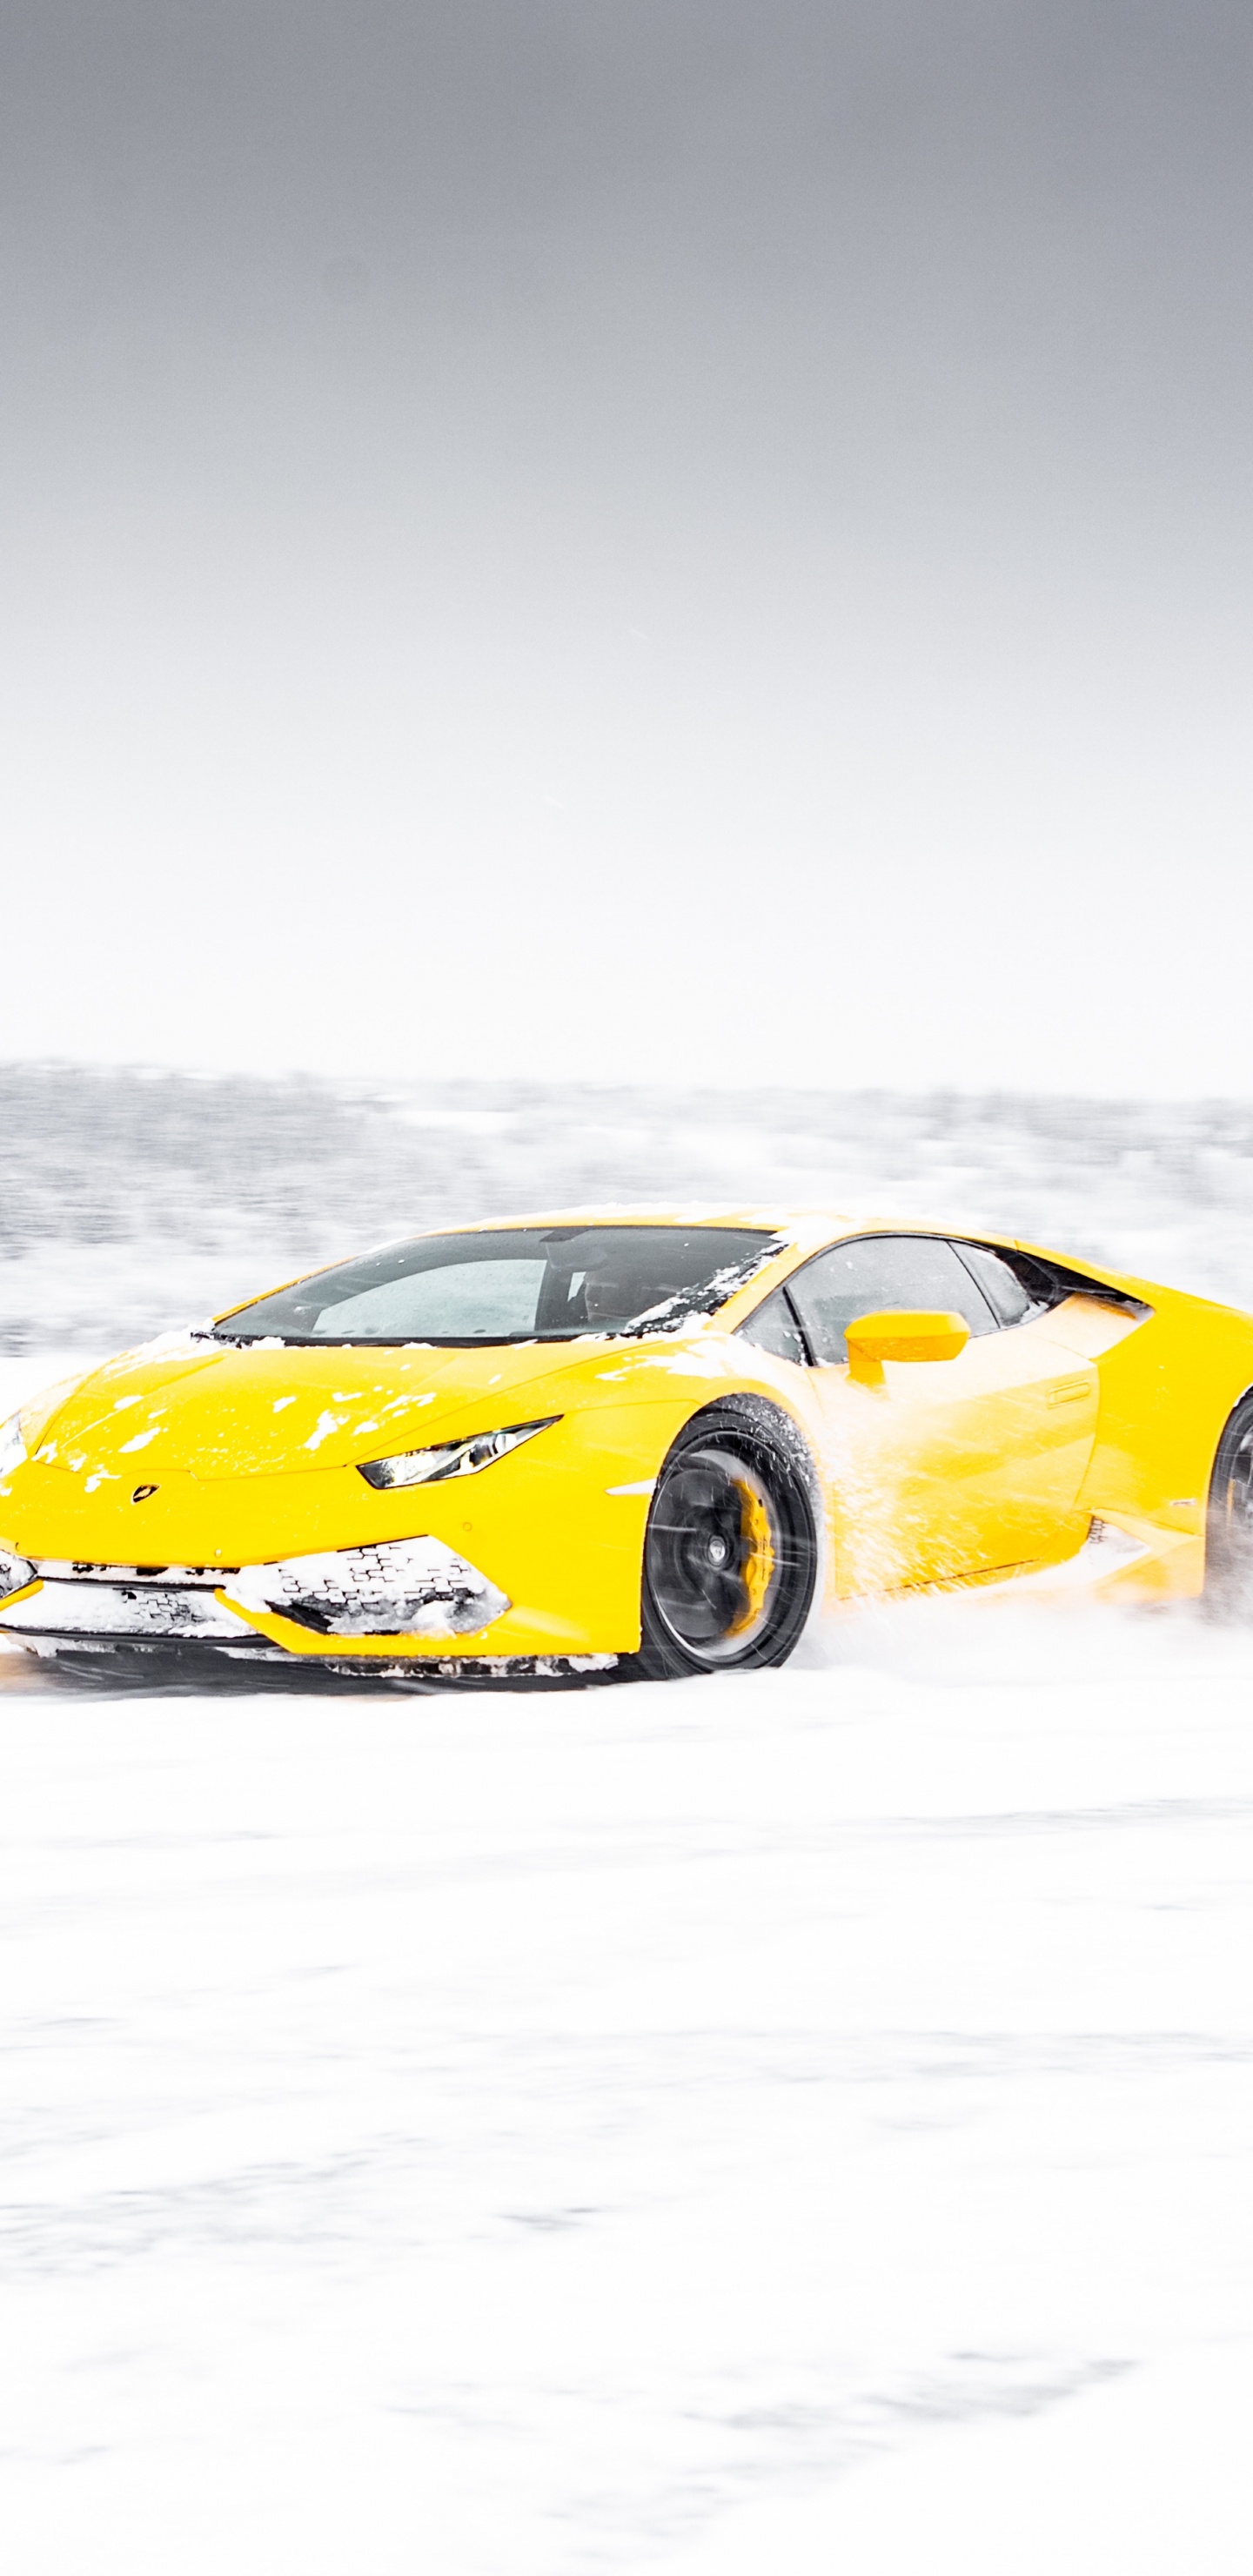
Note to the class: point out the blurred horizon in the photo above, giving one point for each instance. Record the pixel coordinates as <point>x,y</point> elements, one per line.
<point>136,1201</point>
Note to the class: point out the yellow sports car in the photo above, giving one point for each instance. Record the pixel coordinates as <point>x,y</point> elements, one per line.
<point>595,1443</point>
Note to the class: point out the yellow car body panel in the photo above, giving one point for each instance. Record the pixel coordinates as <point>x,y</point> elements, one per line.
<point>996,1462</point>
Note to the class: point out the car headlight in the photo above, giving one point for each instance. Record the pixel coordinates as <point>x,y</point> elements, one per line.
<point>15,1571</point>
<point>452,1457</point>
<point>12,1445</point>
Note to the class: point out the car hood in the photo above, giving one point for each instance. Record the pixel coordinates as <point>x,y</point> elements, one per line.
<point>216,1411</point>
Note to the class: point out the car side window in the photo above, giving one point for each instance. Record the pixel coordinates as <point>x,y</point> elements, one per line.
<point>1008,1294</point>
<point>773,1327</point>
<point>882,1271</point>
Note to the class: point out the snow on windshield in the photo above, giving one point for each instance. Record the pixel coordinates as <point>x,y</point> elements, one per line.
<point>518,1283</point>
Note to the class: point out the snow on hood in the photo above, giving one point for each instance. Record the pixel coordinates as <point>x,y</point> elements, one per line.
<point>271,1409</point>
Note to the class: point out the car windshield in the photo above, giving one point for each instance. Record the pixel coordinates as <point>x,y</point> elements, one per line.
<point>514,1284</point>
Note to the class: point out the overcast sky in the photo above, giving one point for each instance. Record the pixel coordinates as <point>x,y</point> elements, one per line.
<point>630,536</point>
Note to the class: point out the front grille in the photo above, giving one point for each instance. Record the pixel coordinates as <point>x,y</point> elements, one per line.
<point>98,1605</point>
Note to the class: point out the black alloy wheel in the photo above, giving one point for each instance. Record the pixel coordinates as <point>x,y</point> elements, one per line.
<point>731,1548</point>
<point>1229,1521</point>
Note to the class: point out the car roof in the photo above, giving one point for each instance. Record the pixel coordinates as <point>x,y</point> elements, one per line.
<point>801,1227</point>
<point>767,1219</point>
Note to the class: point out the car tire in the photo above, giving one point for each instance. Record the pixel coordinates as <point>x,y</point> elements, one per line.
<point>731,1547</point>
<point>1229,1520</point>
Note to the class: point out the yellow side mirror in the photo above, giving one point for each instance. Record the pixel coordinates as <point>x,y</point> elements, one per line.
<point>872,1339</point>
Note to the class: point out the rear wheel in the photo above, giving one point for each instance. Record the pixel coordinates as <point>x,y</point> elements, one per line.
<point>1229,1523</point>
<point>731,1550</point>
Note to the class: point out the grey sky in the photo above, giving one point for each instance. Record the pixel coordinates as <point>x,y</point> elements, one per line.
<point>592,537</point>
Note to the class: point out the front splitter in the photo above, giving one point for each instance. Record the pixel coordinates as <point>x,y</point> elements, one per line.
<point>188,1665</point>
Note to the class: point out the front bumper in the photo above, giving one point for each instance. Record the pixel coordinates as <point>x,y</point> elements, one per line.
<point>392,1608</point>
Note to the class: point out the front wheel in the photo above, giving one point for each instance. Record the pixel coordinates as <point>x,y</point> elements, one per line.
<point>731,1549</point>
<point>1229,1521</point>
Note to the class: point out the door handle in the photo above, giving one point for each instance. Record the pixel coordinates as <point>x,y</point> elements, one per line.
<point>1068,1390</point>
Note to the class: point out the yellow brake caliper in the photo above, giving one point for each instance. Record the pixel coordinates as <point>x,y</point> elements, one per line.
<point>758,1560</point>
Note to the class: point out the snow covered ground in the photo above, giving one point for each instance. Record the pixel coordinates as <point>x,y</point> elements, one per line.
<point>803,2121</point>
<point>799,2122</point>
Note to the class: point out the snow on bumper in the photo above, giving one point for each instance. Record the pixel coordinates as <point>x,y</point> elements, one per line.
<point>403,1588</point>
<point>77,1604</point>
<point>413,1587</point>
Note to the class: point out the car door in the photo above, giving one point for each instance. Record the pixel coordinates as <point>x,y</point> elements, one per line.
<point>952,1468</point>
